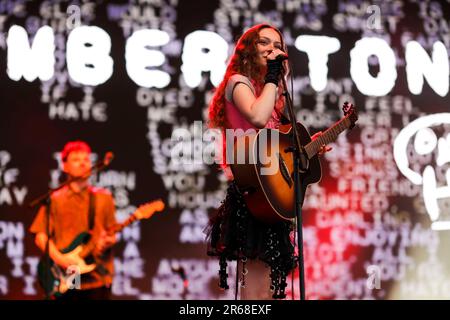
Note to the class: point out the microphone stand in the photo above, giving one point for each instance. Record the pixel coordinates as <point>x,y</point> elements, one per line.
<point>180,271</point>
<point>300,164</point>
<point>45,200</point>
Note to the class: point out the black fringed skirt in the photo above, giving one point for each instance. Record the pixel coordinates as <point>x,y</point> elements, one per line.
<point>234,233</point>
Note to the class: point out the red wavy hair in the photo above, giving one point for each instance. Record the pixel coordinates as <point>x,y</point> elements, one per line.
<point>72,146</point>
<point>243,61</point>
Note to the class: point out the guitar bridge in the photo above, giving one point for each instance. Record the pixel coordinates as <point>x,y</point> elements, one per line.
<point>284,170</point>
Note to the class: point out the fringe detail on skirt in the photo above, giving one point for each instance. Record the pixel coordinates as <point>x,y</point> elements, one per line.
<point>234,233</point>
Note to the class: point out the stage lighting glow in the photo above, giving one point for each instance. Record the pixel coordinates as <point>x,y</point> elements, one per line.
<point>419,65</point>
<point>88,59</point>
<point>204,51</point>
<point>383,83</point>
<point>139,58</point>
<point>318,48</point>
<point>31,63</point>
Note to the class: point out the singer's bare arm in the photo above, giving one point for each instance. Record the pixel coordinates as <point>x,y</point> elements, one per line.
<point>257,110</point>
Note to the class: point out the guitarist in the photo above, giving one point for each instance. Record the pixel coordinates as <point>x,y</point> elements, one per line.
<point>78,208</point>
<point>250,97</point>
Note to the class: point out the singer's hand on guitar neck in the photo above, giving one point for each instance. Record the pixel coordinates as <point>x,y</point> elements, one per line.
<point>324,149</point>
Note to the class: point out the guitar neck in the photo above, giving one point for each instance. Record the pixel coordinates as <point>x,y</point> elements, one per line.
<point>119,227</point>
<point>330,135</point>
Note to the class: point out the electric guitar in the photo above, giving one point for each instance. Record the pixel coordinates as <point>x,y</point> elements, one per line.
<point>82,249</point>
<point>268,183</point>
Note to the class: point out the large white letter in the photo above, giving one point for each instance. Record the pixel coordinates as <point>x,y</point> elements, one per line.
<point>88,60</point>
<point>204,51</point>
<point>37,61</point>
<point>317,48</point>
<point>419,65</point>
<point>359,68</point>
<point>139,58</point>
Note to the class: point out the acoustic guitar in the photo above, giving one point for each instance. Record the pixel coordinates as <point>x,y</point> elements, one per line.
<point>266,178</point>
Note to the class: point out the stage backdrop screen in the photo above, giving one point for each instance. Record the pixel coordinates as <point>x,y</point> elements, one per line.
<point>128,76</point>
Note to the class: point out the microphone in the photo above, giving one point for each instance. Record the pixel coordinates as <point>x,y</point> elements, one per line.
<point>180,271</point>
<point>282,56</point>
<point>109,156</point>
<point>102,164</point>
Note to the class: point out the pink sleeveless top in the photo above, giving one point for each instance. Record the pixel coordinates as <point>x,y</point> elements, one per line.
<point>234,117</point>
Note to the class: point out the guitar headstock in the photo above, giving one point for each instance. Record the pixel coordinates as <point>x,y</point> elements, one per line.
<point>350,111</point>
<point>146,210</point>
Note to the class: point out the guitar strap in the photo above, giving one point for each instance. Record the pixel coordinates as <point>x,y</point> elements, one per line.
<point>100,269</point>
<point>91,209</point>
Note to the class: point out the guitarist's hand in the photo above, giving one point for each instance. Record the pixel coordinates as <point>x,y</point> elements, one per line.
<point>68,259</point>
<point>324,147</point>
<point>104,242</point>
